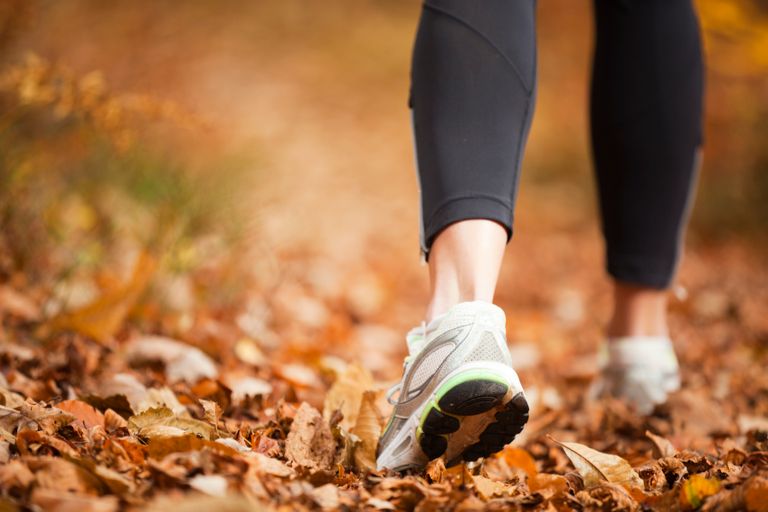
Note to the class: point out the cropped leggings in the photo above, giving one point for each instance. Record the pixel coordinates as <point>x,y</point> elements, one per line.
<point>473,85</point>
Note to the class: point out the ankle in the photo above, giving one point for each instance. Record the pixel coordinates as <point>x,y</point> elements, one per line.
<point>439,305</point>
<point>638,311</point>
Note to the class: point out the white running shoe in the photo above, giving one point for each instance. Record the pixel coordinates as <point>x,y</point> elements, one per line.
<point>641,370</point>
<point>459,396</point>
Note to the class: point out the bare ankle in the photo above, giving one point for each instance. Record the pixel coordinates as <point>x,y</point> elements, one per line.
<point>638,311</point>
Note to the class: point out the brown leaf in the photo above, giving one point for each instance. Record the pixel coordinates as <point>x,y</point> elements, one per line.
<point>607,496</point>
<point>61,475</point>
<point>752,496</point>
<point>310,442</point>
<point>488,488</point>
<point>16,303</point>
<point>182,362</point>
<point>52,500</point>
<point>368,430</point>
<point>113,421</point>
<point>159,446</point>
<point>212,413</point>
<point>146,424</point>
<point>269,466</point>
<point>102,318</point>
<point>662,446</point>
<point>595,467</point>
<point>346,394</point>
<point>435,470</point>
<point>326,496</point>
<point>83,412</point>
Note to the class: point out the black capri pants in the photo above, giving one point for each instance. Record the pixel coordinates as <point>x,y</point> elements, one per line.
<point>473,83</point>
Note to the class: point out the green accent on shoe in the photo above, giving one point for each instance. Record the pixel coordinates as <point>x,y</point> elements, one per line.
<point>467,376</point>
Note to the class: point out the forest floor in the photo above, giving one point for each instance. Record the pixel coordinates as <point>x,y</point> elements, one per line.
<point>158,390</point>
<point>279,405</point>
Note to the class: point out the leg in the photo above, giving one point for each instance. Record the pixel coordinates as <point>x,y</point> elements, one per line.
<point>472,88</point>
<point>464,264</point>
<point>646,129</point>
<point>471,94</point>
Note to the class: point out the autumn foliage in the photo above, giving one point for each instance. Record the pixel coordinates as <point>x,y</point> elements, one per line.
<point>205,281</point>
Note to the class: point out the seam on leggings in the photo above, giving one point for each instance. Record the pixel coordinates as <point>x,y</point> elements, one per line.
<point>468,25</point>
<point>521,140</point>
<point>698,157</point>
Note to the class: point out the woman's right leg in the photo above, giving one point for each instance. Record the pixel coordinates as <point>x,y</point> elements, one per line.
<point>472,99</point>
<point>472,95</point>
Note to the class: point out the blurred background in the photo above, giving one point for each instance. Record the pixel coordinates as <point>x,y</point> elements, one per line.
<point>220,171</point>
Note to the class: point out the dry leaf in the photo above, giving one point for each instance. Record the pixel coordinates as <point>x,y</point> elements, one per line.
<point>182,362</point>
<point>310,443</point>
<point>346,394</point>
<point>83,412</point>
<point>249,352</point>
<point>102,318</point>
<point>52,500</point>
<point>595,467</point>
<point>159,446</point>
<point>435,470</point>
<point>488,488</point>
<point>212,485</point>
<point>212,413</point>
<point>696,489</point>
<point>144,423</point>
<point>267,465</point>
<point>368,430</point>
<point>326,496</point>
<point>16,303</point>
<point>61,475</point>
<point>662,447</point>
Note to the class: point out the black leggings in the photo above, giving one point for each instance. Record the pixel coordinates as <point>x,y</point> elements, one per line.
<point>473,83</point>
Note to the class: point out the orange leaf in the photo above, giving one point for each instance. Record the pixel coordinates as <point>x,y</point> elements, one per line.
<point>102,318</point>
<point>87,414</point>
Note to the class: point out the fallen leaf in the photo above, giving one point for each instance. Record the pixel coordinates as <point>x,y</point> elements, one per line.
<point>83,412</point>
<point>159,446</point>
<point>52,500</point>
<point>113,421</point>
<point>61,475</point>
<point>326,496</point>
<point>245,387</point>
<point>182,362</point>
<point>595,467</point>
<point>488,488</point>
<point>435,470</point>
<point>212,485</point>
<point>346,394</point>
<point>696,489</point>
<point>270,466</point>
<point>368,430</point>
<point>142,424</point>
<point>198,503</point>
<point>102,318</point>
<point>310,442</point>
<point>662,446</point>
<point>249,352</point>
<point>16,303</point>
<point>212,413</point>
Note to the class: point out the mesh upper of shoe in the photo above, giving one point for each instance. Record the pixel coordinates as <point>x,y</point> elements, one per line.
<point>429,365</point>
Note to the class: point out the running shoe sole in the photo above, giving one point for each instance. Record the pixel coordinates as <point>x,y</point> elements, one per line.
<point>488,402</point>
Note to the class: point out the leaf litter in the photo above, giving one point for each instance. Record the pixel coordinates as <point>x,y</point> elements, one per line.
<point>110,417</point>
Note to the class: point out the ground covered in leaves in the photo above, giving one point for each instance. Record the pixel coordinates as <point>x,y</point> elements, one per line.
<point>157,355</point>
<point>97,414</point>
